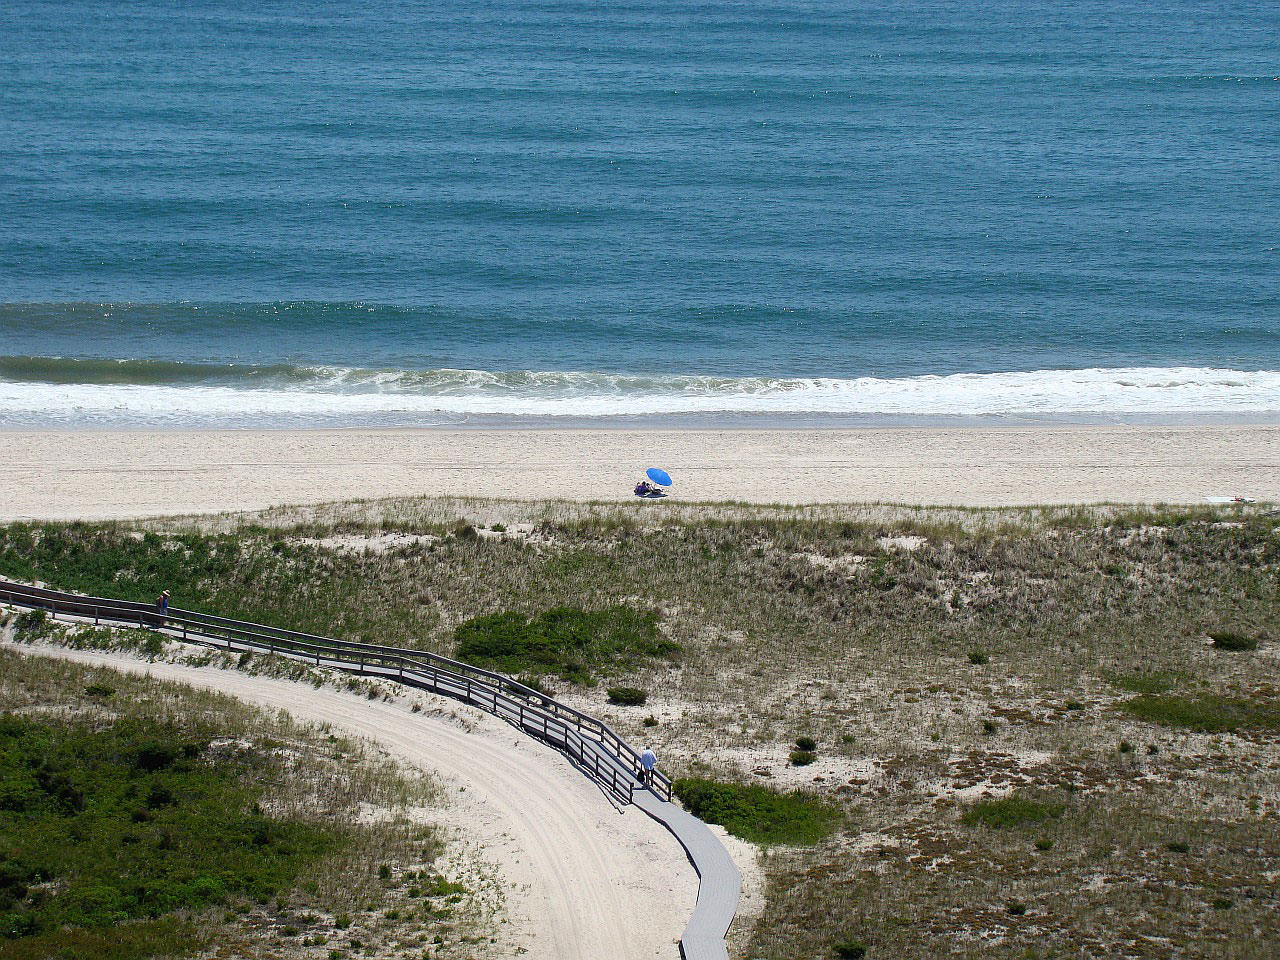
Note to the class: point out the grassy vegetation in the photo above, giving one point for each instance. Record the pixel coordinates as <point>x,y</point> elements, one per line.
<point>940,657</point>
<point>1206,714</point>
<point>140,819</point>
<point>564,641</point>
<point>133,821</point>
<point>1015,810</point>
<point>758,814</point>
<point>1230,640</point>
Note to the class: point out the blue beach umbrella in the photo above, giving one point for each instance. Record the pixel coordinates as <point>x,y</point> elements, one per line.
<point>660,477</point>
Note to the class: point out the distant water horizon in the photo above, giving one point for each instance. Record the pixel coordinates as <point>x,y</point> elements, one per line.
<point>749,213</point>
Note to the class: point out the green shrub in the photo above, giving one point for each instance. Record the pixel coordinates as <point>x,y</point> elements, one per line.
<point>627,696</point>
<point>651,721</point>
<point>1014,810</point>
<point>758,814</point>
<point>850,950</point>
<point>806,743</point>
<point>565,641</point>
<point>1229,640</point>
<point>802,758</point>
<point>1205,714</point>
<point>978,658</point>
<point>32,623</point>
<point>1143,682</point>
<point>167,830</point>
<point>1016,908</point>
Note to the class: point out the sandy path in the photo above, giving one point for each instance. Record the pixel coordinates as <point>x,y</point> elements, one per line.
<point>583,880</point>
<point>91,475</point>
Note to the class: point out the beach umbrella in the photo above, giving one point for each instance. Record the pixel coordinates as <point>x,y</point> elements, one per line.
<point>660,477</point>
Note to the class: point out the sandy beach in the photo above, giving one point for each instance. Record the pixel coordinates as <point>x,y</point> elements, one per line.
<point>98,475</point>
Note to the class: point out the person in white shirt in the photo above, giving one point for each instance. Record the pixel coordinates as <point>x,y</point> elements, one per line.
<point>648,760</point>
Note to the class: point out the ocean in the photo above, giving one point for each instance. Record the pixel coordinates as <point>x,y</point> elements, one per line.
<point>486,211</point>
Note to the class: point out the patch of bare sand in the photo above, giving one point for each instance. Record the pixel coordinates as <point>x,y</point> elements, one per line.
<point>582,878</point>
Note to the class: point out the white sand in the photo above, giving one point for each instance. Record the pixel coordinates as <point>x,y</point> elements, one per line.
<point>583,879</point>
<point>60,475</point>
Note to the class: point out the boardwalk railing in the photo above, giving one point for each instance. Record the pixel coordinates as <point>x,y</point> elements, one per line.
<point>588,742</point>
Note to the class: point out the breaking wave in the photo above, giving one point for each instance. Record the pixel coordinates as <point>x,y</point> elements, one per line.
<point>43,389</point>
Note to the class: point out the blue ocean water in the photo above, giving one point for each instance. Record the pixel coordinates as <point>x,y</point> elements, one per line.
<point>400,212</point>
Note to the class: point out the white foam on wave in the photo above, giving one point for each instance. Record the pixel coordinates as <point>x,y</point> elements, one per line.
<point>402,397</point>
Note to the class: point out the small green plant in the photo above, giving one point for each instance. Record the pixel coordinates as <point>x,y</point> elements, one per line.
<point>100,691</point>
<point>1177,846</point>
<point>1222,903</point>
<point>1044,844</point>
<point>651,721</point>
<point>806,743</point>
<point>802,758</point>
<point>978,658</point>
<point>1015,810</point>
<point>989,727</point>
<point>290,931</point>
<point>1125,746</point>
<point>32,622</point>
<point>384,872</point>
<point>1233,641</point>
<point>627,696</point>
<point>1074,705</point>
<point>499,528</point>
<point>1016,908</point>
<point>850,950</point>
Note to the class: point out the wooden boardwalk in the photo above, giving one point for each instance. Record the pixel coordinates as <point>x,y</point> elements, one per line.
<point>719,883</point>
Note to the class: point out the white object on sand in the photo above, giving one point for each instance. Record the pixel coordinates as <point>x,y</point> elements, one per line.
<point>1229,500</point>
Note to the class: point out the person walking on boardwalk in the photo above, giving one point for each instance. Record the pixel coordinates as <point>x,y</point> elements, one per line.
<point>162,604</point>
<point>648,760</point>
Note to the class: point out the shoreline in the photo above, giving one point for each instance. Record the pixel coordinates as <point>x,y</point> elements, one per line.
<point>685,422</point>
<point>79,474</point>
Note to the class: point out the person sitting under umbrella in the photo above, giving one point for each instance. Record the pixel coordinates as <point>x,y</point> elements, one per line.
<point>660,479</point>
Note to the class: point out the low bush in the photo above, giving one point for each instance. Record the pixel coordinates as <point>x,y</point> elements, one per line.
<point>802,758</point>
<point>1205,714</point>
<point>31,623</point>
<point>109,829</point>
<point>806,743</point>
<point>978,658</point>
<point>1143,682</point>
<point>627,696</point>
<point>1230,640</point>
<point>568,642</point>
<point>1015,810</point>
<point>757,813</point>
<point>850,950</point>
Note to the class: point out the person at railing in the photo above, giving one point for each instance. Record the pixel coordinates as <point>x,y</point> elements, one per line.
<point>648,760</point>
<point>162,604</point>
